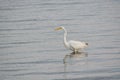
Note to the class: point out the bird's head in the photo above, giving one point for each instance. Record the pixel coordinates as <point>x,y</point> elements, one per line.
<point>59,28</point>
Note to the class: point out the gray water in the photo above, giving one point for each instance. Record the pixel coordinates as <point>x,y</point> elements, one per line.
<point>30,49</point>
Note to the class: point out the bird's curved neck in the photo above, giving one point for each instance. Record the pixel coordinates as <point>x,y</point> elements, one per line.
<point>65,37</point>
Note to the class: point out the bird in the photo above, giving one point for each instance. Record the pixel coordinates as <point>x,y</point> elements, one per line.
<point>73,45</point>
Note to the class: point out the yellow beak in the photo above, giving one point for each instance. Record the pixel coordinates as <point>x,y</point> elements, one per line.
<point>58,28</point>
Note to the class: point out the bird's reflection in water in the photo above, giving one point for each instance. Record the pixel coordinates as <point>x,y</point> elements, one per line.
<point>69,59</point>
<point>73,55</point>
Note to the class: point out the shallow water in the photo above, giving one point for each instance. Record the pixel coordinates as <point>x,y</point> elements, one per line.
<point>30,49</point>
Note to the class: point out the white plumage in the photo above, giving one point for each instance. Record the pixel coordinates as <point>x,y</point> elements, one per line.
<point>72,45</point>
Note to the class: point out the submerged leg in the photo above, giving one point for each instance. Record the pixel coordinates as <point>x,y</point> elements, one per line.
<point>76,51</point>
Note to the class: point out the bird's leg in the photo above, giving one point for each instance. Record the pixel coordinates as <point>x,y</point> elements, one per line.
<point>76,51</point>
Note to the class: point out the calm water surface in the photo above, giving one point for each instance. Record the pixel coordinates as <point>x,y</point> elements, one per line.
<point>30,49</point>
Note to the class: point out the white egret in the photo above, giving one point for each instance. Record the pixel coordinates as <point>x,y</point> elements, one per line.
<point>75,46</point>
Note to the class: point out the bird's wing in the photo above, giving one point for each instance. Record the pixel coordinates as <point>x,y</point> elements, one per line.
<point>75,44</point>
